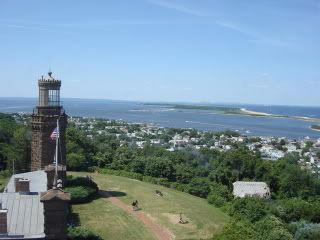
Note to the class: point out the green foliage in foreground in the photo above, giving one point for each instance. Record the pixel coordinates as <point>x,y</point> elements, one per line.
<point>248,208</point>
<point>81,233</point>
<point>304,231</point>
<point>237,230</point>
<point>268,228</point>
<point>272,228</point>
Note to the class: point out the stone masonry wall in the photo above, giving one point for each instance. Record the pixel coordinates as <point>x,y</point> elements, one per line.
<point>42,146</point>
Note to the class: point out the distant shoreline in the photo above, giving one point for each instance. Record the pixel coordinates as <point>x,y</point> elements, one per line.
<point>262,114</point>
<point>315,127</point>
<point>245,111</point>
<point>235,110</point>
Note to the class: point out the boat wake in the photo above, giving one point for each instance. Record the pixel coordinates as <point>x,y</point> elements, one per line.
<point>203,123</point>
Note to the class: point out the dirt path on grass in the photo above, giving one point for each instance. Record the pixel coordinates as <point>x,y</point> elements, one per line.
<point>160,232</point>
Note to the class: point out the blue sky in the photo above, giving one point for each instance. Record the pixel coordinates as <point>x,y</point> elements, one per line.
<point>262,52</point>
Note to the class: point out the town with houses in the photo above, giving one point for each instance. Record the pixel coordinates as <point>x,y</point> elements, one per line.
<point>269,148</point>
<point>44,196</point>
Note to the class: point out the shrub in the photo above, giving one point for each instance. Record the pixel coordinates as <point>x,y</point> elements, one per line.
<point>80,194</point>
<point>160,168</point>
<point>81,233</point>
<point>221,190</point>
<point>5,173</point>
<point>82,189</point>
<point>199,187</point>
<point>237,230</point>
<point>216,200</point>
<point>163,182</point>
<point>179,186</point>
<point>308,232</point>
<point>219,194</point>
<point>121,173</point>
<point>92,169</point>
<point>294,209</point>
<point>81,181</point>
<point>248,208</point>
<point>272,228</point>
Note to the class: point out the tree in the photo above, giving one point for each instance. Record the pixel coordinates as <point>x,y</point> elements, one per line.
<point>308,232</point>
<point>19,151</point>
<point>102,159</point>
<point>295,182</point>
<point>159,167</point>
<point>248,208</point>
<point>233,165</point>
<point>294,209</point>
<point>219,194</point>
<point>76,161</point>
<point>138,165</point>
<point>123,157</point>
<point>238,230</point>
<point>199,187</point>
<point>271,228</point>
<point>79,144</point>
<point>184,173</point>
<point>10,136</point>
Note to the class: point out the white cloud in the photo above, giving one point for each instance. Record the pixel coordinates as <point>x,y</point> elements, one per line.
<point>255,37</point>
<point>236,27</point>
<point>178,7</point>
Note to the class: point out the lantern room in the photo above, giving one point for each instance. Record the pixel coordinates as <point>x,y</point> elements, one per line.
<point>49,91</point>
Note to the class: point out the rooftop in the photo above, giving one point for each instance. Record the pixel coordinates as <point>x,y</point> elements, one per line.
<point>25,215</point>
<point>38,181</point>
<point>241,189</point>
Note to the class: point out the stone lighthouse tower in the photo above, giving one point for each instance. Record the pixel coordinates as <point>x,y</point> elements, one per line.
<point>44,121</point>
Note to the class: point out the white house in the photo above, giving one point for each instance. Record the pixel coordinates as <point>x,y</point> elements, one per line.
<point>258,189</point>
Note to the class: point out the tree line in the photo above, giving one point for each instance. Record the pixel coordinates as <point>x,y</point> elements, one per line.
<point>15,145</point>
<point>292,213</point>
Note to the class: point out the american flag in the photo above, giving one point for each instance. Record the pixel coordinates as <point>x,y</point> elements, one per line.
<point>55,134</point>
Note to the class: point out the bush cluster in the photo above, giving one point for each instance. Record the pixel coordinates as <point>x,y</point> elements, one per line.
<point>82,189</point>
<point>81,233</point>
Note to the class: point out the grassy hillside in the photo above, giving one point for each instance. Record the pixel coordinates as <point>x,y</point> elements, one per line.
<point>204,219</point>
<point>111,222</point>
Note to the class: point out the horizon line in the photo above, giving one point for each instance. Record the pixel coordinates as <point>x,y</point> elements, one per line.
<point>179,102</point>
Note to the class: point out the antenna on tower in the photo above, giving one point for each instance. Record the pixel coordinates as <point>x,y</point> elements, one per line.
<point>49,61</point>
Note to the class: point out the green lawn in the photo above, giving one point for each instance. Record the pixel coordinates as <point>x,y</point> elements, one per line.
<point>111,222</point>
<point>204,219</point>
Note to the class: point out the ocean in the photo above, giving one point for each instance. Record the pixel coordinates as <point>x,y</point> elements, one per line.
<point>166,116</point>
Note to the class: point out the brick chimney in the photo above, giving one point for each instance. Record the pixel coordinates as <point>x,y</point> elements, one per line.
<point>22,184</point>
<point>50,170</point>
<point>3,220</point>
<point>55,203</point>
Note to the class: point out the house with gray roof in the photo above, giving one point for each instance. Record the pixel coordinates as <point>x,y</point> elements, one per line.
<point>253,189</point>
<point>23,205</point>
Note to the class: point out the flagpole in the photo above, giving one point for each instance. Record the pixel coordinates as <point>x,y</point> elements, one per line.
<point>56,155</point>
